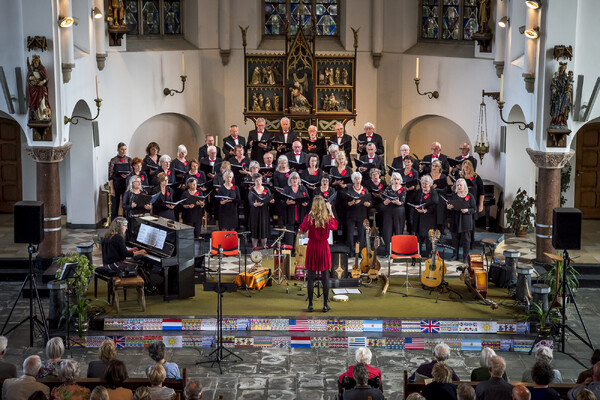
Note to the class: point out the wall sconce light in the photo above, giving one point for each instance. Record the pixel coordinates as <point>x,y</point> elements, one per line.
<point>431,95</point>
<point>67,22</point>
<point>533,33</point>
<point>74,118</point>
<point>533,4</point>
<point>171,92</point>
<point>501,106</point>
<point>96,13</point>
<point>522,29</point>
<point>504,22</point>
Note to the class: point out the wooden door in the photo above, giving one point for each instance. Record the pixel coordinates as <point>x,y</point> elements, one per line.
<point>10,164</point>
<point>587,171</point>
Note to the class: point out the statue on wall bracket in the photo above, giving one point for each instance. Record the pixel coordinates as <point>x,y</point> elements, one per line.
<point>40,112</point>
<point>561,102</point>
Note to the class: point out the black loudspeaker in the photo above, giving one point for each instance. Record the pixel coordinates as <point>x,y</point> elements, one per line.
<point>339,265</point>
<point>566,229</point>
<point>29,222</point>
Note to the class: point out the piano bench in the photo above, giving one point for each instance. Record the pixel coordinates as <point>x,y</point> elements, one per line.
<point>105,278</point>
<point>135,282</point>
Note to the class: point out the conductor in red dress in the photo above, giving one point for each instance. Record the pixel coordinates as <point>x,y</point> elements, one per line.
<point>318,223</point>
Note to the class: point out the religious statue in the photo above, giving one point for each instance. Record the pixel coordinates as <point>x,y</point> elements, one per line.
<point>256,78</point>
<point>344,76</point>
<point>321,77</point>
<point>275,102</point>
<point>330,78</point>
<point>255,106</point>
<point>483,16</point>
<point>261,101</point>
<point>337,76</point>
<point>561,96</point>
<point>37,80</point>
<point>333,103</point>
<point>117,11</point>
<point>268,104</point>
<point>299,101</point>
<point>270,76</point>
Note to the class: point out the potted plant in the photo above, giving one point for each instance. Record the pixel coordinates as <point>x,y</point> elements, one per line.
<point>537,315</point>
<point>520,215</point>
<point>78,286</point>
<point>553,277</point>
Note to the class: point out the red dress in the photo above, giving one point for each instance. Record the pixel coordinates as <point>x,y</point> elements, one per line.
<point>318,255</point>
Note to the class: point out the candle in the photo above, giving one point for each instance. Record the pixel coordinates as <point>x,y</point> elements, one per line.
<point>97,87</point>
<point>417,76</point>
<point>502,87</point>
<point>182,64</point>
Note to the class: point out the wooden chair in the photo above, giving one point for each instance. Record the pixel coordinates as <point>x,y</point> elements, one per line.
<point>135,282</point>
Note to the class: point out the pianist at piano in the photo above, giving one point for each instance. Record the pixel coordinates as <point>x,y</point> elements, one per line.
<point>114,249</point>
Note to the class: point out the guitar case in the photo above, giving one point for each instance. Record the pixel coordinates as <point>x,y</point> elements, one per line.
<point>499,274</point>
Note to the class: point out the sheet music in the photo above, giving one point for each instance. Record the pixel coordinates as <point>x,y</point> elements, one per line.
<point>151,236</point>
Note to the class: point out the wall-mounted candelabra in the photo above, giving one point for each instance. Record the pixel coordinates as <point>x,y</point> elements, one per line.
<point>75,118</point>
<point>171,92</point>
<point>432,95</point>
<point>521,125</point>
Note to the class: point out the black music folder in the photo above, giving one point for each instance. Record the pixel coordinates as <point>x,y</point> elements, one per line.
<point>287,146</point>
<point>122,168</point>
<point>207,168</point>
<point>454,163</point>
<point>143,199</point>
<point>296,165</point>
<point>345,179</point>
<point>297,199</point>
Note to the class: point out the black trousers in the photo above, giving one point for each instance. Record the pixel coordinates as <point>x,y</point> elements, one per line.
<point>462,239</point>
<point>360,230</point>
<point>310,283</point>
<point>116,202</point>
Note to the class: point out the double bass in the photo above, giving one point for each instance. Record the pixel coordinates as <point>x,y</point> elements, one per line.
<point>435,268</point>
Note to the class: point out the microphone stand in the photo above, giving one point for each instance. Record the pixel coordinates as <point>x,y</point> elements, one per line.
<point>245,284</point>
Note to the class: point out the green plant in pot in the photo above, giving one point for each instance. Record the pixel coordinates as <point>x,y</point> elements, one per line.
<point>553,277</point>
<point>537,315</point>
<point>78,285</point>
<point>520,215</point>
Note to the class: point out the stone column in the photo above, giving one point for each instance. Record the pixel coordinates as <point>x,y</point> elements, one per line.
<point>48,191</point>
<point>547,197</point>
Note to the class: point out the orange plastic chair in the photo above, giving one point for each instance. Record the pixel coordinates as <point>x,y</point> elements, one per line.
<point>404,248</point>
<point>229,242</point>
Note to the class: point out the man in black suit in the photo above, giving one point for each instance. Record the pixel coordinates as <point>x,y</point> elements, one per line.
<point>436,154</point>
<point>285,135</point>
<point>257,150</point>
<point>313,144</point>
<point>362,390</point>
<point>398,162</point>
<point>465,149</point>
<point>7,370</point>
<point>202,151</point>
<point>211,160</point>
<point>231,141</point>
<point>297,156</point>
<point>344,141</point>
<point>370,137</point>
<point>495,388</point>
<point>371,160</point>
<point>328,160</point>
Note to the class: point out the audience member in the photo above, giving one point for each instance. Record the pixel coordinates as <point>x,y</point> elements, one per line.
<point>520,392</point>
<point>588,372</point>
<point>99,393</point>
<point>68,373</point>
<point>156,376</point>
<point>142,393</point>
<point>442,387</point>
<point>483,372</point>
<point>362,390</point>
<point>54,351</point>
<point>106,353</point>
<point>543,353</point>
<point>22,387</point>
<point>7,370</point>
<point>542,375</point>
<point>38,395</point>
<point>156,350</point>
<point>495,388</point>
<point>441,352</point>
<point>592,384</point>
<point>193,390</point>
<point>415,396</point>
<point>464,391</point>
<point>114,376</point>
<point>585,394</point>
<point>363,356</point>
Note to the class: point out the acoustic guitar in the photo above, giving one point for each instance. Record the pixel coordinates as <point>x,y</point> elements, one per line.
<point>369,260</point>
<point>356,267</point>
<point>435,269</point>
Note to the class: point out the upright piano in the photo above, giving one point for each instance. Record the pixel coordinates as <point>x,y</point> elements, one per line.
<point>170,246</point>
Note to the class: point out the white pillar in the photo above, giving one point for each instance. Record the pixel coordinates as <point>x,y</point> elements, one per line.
<point>66,40</point>
<point>501,33</point>
<point>225,30</point>
<point>99,35</point>
<point>377,32</point>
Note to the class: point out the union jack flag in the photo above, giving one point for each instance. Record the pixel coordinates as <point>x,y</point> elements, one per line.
<point>430,326</point>
<point>119,341</point>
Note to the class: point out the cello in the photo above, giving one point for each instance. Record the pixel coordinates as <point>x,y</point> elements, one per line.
<point>435,269</point>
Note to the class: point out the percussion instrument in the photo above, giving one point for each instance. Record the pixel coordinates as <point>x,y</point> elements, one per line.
<point>340,297</point>
<point>284,230</point>
<point>255,278</point>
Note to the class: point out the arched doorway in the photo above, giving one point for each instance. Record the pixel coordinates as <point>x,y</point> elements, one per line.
<point>10,164</point>
<point>78,172</point>
<point>422,131</point>
<point>587,170</point>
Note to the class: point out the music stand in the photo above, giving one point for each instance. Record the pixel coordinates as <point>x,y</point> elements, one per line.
<point>219,288</point>
<point>69,270</point>
<point>282,277</point>
<point>33,293</point>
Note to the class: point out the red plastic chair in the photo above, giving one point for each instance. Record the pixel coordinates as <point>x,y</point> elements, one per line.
<point>229,242</point>
<point>404,248</point>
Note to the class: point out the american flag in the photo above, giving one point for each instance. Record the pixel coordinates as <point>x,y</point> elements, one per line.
<point>414,343</point>
<point>298,325</point>
<point>430,326</point>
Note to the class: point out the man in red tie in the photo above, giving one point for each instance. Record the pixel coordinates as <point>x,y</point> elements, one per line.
<point>328,160</point>
<point>398,162</point>
<point>203,150</point>
<point>465,150</point>
<point>369,137</point>
<point>234,139</point>
<point>296,157</point>
<point>436,154</point>
<point>371,160</point>
<point>344,141</point>
<point>285,135</point>
<point>313,144</point>
<point>259,140</point>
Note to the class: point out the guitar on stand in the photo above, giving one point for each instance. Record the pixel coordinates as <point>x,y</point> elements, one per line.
<point>370,265</point>
<point>355,274</point>
<point>435,268</point>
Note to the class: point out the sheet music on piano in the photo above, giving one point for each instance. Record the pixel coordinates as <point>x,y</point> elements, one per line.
<point>151,236</point>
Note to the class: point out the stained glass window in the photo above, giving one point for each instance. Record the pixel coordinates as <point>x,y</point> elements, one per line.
<point>302,14</point>
<point>154,17</point>
<point>448,19</point>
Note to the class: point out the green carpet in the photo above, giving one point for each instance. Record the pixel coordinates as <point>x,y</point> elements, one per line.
<point>369,304</point>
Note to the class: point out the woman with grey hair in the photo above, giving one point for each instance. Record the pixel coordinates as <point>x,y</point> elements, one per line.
<point>363,355</point>
<point>462,207</point>
<point>229,197</point>
<point>54,351</point>
<point>130,207</point>
<point>164,166</point>
<point>426,217</point>
<point>280,178</point>
<point>483,372</point>
<point>296,199</point>
<point>543,353</point>
<point>358,200</point>
<point>68,374</point>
